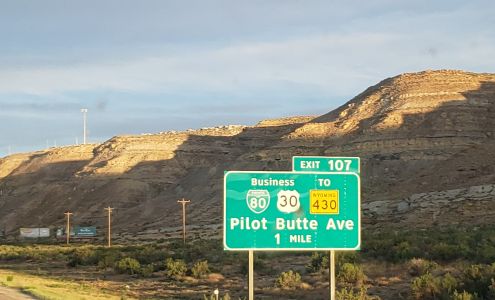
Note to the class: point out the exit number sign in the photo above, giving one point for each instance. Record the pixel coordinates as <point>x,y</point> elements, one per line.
<point>326,164</point>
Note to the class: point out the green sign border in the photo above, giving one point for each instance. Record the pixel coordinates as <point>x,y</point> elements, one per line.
<point>225,247</point>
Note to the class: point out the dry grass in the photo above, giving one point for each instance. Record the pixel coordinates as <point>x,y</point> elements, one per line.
<point>52,289</point>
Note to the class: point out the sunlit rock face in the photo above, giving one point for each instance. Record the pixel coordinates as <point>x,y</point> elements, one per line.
<point>426,142</point>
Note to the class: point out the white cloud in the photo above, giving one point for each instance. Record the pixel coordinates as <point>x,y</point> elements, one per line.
<point>333,62</point>
<point>336,64</point>
<point>308,61</point>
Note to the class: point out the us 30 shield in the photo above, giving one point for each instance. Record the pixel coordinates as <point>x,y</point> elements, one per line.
<point>288,201</point>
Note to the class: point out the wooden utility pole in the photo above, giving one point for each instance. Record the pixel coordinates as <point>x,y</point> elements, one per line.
<point>67,230</point>
<point>184,202</point>
<point>109,209</point>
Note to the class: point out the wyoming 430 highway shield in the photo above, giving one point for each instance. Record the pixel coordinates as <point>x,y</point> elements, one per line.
<point>291,211</point>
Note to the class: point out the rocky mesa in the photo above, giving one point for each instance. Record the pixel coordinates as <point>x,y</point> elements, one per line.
<point>426,142</point>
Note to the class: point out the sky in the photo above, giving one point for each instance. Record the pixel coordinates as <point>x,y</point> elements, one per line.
<point>151,66</point>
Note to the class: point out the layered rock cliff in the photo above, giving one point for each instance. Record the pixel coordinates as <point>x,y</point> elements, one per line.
<point>426,142</point>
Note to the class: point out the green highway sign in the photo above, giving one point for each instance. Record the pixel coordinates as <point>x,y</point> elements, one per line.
<point>326,164</point>
<point>292,211</point>
<point>88,231</point>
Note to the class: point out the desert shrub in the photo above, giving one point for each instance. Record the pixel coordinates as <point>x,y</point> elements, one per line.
<point>347,257</point>
<point>428,286</point>
<point>10,278</point>
<point>374,245</point>
<point>149,254</point>
<point>211,250</point>
<point>403,251</point>
<point>478,279</point>
<point>464,296</point>
<point>491,290</point>
<point>9,253</point>
<point>12,253</point>
<point>175,267</point>
<point>351,273</point>
<point>213,297</point>
<point>448,283</point>
<point>288,280</point>
<point>259,264</point>
<point>108,259</point>
<point>352,294</point>
<point>392,247</point>
<point>262,267</point>
<point>444,251</point>
<point>476,282</point>
<point>318,262</point>
<point>41,253</point>
<point>486,252</point>
<point>448,244</point>
<point>83,256</point>
<point>419,266</point>
<point>200,269</point>
<point>423,287</point>
<point>128,265</point>
<point>147,270</point>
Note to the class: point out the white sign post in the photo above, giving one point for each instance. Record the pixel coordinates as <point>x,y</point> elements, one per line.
<point>251,275</point>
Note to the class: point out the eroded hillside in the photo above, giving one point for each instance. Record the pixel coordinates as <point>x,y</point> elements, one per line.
<point>426,141</point>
